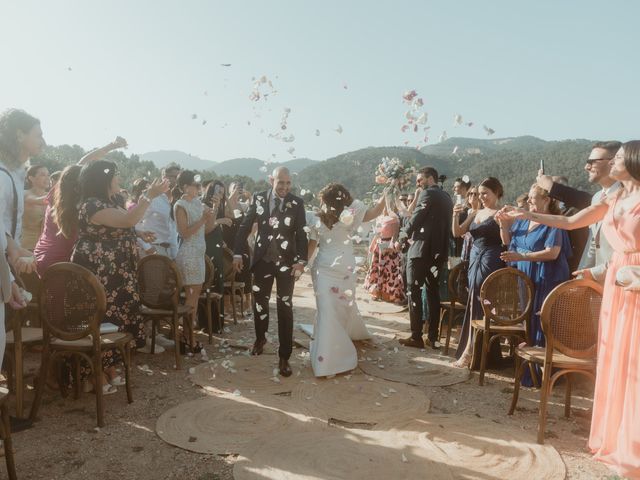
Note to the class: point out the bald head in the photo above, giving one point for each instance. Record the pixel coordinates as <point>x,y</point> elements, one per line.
<point>280,180</point>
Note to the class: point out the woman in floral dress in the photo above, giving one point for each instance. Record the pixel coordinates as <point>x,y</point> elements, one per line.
<point>384,279</point>
<point>107,247</point>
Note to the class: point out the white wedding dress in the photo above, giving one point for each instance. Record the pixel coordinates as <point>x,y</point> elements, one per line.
<point>333,271</point>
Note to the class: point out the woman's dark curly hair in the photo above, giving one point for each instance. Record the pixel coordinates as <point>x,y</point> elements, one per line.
<point>335,198</point>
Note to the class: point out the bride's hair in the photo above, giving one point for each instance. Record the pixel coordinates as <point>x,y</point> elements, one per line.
<point>334,198</point>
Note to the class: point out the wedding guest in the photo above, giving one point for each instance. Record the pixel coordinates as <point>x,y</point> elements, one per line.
<point>107,247</point>
<point>215,199</point>
<point>521,201</point>
<point>137,189</point>
<point>484,260</point>
<point>55,177</point>
<point>34,205</point>
<point>59,232</point>
<point>597,251</point>
<point>577,238</point>
<point>20,139</point>
<point>429,230</point>
<point>158,220</point>
<point>539,251</point>
<point>193,220</point>
<point>235,210</point>
<point>614,436</point>
<point>460,189</point>
<point>384,278</point>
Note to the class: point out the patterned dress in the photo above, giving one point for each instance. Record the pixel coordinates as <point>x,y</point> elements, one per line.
<point>110,253</point>
<point>384,279</point>
<point>190,258</point>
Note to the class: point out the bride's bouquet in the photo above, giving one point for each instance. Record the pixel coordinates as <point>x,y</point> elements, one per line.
<point>391,171</point>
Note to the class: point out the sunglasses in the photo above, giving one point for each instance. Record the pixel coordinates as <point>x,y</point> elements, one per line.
<point>591,161</point>
<point>472,194</point>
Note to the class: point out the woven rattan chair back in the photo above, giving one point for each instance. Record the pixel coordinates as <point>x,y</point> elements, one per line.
<point>570,318</point>
<point>72,302</point>
<point>507,296</point>
<point>458,283</point>
<point>159,282</point>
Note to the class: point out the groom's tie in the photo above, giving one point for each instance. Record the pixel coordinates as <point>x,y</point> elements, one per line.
<point>278,201</point>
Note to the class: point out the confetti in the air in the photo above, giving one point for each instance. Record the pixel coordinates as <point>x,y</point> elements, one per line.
<point>490,131</point>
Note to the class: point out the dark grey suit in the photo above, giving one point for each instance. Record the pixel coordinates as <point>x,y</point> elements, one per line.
<point>429,228</point>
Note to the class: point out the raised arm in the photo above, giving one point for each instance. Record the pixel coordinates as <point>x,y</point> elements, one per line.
<point>458,229</point>
<point>572,197</point>
<point>99,153</point>
<point>376,210</point>
<point>583,218</point>
<point>118,218</point>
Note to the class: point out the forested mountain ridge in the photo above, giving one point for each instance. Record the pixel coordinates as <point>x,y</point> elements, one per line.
<point>514,161</point>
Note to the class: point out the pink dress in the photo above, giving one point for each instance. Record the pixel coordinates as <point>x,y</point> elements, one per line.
<point>52,247</point>
<point>615,425</point>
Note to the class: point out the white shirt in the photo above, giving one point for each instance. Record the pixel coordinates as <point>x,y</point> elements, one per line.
<point>6,198</point>
<point>157,219</point>
<point>272,201</point>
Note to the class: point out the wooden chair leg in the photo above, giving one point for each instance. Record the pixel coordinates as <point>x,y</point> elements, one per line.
<point>484,355</point>
<point>208,306</point>
<point>97,386</point>
<point>153,336</point>
<point>77,377</point>
<point>176,339</point>
<point>441,316</point>
<point>19,379</point>
<point>452,313</point>
<point>233,305</point>
<point>8,444</point>
<point>544,396</point>
<point>127,370</point>
<point>40,383</point>
<point>567,396</point>
<point>519,371</point>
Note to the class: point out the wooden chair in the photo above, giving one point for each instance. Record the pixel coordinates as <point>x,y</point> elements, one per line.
<point>569,323</point>
<point>72,305</point>
<point>159,286</point>
<point>506,296</point>
<point>19,338</point>
<point>5,434</point>
<point>458,293</point>
<point>208,296</point>
<point>231,286</point>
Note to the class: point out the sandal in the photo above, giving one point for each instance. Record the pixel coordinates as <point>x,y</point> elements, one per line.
<point>463,362</point>
<point>118,381</point>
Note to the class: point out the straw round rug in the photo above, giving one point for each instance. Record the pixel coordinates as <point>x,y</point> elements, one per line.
<point>223,424</point>
<point>251,375</point>
<point>443,448</point>
<point>360,401</point>
<point>413,367</point>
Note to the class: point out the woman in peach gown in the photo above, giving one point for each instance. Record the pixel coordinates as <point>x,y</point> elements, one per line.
<point>615,424</point>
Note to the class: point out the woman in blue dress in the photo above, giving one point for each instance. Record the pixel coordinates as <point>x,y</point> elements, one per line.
<point>484,260</point>
<point>539,251</point>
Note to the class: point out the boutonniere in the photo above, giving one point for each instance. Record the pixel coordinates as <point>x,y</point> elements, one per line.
<point>273,221</point>
<point>288,204</point>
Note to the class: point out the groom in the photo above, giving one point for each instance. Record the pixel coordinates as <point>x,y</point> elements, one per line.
<point>280,254</point>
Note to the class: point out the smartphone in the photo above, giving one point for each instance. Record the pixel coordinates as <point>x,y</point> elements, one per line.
<point>459,200</point>
<point>542,166</point>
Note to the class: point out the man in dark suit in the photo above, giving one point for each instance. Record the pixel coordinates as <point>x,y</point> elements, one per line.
<point>428,231</point>
<point>280,254</point>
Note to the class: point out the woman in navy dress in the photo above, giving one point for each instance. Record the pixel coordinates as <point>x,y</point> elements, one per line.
<point>484,260</point>
<point>539,251</point>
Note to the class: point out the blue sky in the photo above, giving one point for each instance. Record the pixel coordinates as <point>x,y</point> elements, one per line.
<point>140,69</point>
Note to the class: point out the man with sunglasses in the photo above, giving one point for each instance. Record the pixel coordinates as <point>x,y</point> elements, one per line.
<point>593,264</point>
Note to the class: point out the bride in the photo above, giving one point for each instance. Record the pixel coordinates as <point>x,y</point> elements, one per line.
<point>333,272</point>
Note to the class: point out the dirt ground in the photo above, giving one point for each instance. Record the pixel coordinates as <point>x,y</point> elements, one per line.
<point>65,442</point>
